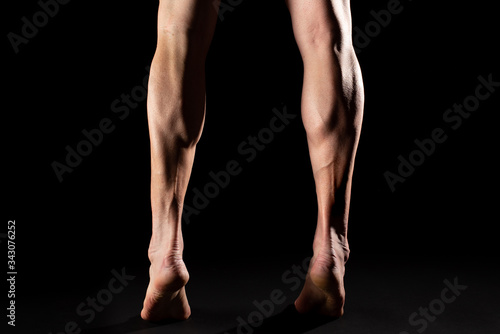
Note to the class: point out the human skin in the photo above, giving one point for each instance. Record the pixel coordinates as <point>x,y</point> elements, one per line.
<point>331,110</point>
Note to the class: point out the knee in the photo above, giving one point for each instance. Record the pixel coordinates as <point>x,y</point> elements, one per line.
<point>328,41</point>
<point>324,37</point>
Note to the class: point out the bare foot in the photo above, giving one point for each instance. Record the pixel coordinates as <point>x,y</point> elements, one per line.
<point>323,292</point>
<point>166,293</point>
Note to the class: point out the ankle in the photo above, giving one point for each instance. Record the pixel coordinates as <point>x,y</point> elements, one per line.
<point>165,244</point>
<point>331,245</point>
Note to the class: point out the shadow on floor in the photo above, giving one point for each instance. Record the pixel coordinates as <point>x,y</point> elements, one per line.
<point>133,324</point>
<point>287,321</point>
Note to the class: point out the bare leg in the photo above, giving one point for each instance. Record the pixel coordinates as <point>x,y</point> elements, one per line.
<point>176,112</point>
<point>332,108</point>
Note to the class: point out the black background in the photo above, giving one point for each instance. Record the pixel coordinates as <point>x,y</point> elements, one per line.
<point>65,79</point>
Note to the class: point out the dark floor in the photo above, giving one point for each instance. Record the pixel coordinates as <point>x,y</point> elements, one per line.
<point>225,298</point>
